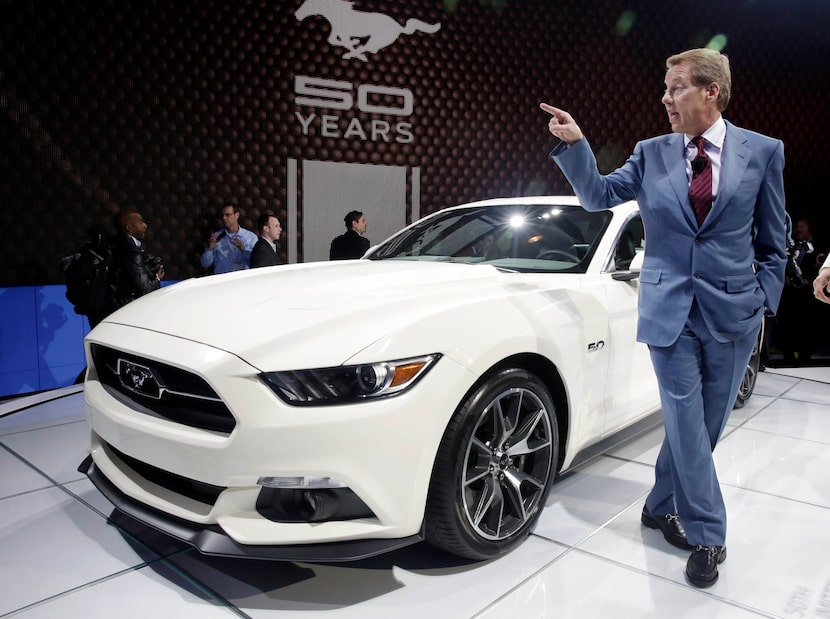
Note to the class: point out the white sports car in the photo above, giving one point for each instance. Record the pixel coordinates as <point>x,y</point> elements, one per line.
<point>330,411</point>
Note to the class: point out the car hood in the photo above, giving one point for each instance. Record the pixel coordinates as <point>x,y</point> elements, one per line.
<point>324,312</point>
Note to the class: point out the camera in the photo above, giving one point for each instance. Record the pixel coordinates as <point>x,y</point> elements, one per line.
<point>792,274</point>
<point>153,264</point>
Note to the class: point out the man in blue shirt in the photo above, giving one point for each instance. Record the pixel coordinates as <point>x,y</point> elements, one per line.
<point>229,249</point>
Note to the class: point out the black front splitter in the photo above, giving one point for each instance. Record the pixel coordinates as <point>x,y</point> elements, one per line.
<point>212,540</point>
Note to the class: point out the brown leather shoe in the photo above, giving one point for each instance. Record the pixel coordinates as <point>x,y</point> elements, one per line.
<point>702,566</point>
<point>669,525</point>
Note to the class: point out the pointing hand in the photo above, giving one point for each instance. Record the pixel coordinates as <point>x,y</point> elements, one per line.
<point>562,125</point>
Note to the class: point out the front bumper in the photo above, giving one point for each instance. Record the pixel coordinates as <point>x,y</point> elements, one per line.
<point>383,451</point>
<point>212,540</point>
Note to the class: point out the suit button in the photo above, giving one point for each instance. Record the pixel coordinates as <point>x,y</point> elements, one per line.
<point>697,239</point>
<point>697,275</point>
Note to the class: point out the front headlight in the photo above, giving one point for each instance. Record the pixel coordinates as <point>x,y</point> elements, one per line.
<point>348,383</point>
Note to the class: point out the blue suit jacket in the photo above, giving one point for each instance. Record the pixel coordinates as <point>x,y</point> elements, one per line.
<point>733,264</point>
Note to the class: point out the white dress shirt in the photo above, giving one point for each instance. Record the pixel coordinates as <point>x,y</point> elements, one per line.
<point>714,136</point>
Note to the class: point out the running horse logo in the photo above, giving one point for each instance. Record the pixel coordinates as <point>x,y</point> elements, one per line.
<point>358,31</point>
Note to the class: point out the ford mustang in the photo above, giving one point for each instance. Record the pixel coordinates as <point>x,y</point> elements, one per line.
<point>431,390</point>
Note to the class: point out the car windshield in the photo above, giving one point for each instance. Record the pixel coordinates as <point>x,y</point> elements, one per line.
<point>530,238</point>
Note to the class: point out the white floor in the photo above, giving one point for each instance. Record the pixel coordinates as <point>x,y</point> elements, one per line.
<point>589,556</point>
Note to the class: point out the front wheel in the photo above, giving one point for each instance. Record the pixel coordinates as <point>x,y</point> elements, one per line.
<point>494,467</point>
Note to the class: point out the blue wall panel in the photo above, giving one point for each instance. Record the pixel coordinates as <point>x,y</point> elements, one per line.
<point>41,339</point>
<point>60,334</point>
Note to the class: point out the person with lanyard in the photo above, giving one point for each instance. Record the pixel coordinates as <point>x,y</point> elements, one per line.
<point>229,249</point>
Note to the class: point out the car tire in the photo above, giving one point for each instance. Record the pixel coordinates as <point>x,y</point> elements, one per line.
<point>751,374</point>
<point>494,467</point>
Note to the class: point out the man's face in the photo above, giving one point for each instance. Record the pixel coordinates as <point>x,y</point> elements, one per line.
<point>273,230</point>
<point>802,230</point>
<point>689,107</point>
<point>137,227</point>
<point>230,218</point>
<point>360,225</point>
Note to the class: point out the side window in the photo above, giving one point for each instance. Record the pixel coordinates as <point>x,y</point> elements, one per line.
<point>631,242</point>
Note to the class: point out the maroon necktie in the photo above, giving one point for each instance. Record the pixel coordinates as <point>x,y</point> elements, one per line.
<point>700,189</point>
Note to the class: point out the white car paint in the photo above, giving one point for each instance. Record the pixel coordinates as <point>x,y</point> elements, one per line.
<point>229,328</point>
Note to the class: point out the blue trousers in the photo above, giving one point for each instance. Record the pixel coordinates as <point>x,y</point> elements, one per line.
<point>698,378</point>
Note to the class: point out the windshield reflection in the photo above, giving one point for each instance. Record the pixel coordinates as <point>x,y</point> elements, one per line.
<point>525,238</point>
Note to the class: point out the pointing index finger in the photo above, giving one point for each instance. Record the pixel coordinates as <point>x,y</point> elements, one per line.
<point>554,111</point>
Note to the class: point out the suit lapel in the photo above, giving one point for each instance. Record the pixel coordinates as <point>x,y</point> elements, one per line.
<point>675,162</point>
<point>734,160</point>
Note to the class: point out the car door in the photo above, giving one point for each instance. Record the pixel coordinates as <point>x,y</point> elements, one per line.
<point>631,386</point>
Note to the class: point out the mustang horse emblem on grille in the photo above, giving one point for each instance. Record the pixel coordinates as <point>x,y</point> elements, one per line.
<point>360,32</point>
<point>138,378</point>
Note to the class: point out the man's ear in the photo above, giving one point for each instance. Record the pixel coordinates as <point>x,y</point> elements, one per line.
<point>129,226</point>
<point>713,90</point>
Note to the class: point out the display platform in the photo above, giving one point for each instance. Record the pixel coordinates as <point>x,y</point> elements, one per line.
<point>588,557</point>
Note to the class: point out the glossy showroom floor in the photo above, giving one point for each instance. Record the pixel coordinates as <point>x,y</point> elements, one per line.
<point>589,556</point>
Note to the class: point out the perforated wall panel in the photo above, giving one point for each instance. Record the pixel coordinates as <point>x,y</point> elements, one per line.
<point>172,107</point>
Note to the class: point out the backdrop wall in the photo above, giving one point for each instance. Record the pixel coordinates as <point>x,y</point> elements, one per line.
<point>171,108</point>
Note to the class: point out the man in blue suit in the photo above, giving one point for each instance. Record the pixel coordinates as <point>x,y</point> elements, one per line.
<point>714,263</point>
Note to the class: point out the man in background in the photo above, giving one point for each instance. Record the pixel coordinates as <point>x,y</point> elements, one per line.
<point>352,244</point>
<point>264,253</point>
<point>799,312</point>
<point>136,273</point>
<point>229,249</point>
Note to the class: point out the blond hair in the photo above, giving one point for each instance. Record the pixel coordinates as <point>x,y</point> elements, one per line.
<point>707,66</point>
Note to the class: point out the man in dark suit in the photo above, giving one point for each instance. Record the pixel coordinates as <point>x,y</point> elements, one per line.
<point>352,244</point>
<point>264,253</point>
<point>713,210</point>
<point>798,312</point>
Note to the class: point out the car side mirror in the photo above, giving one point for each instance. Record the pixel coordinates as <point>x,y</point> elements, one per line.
<point>633,271</point>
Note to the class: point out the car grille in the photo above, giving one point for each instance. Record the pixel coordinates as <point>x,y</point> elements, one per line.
<point>192,489</point>
<point>168,392</point>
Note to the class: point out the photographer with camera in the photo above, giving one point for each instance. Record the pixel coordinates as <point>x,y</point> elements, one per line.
<point>136,273</point>
<point>798,310</point>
